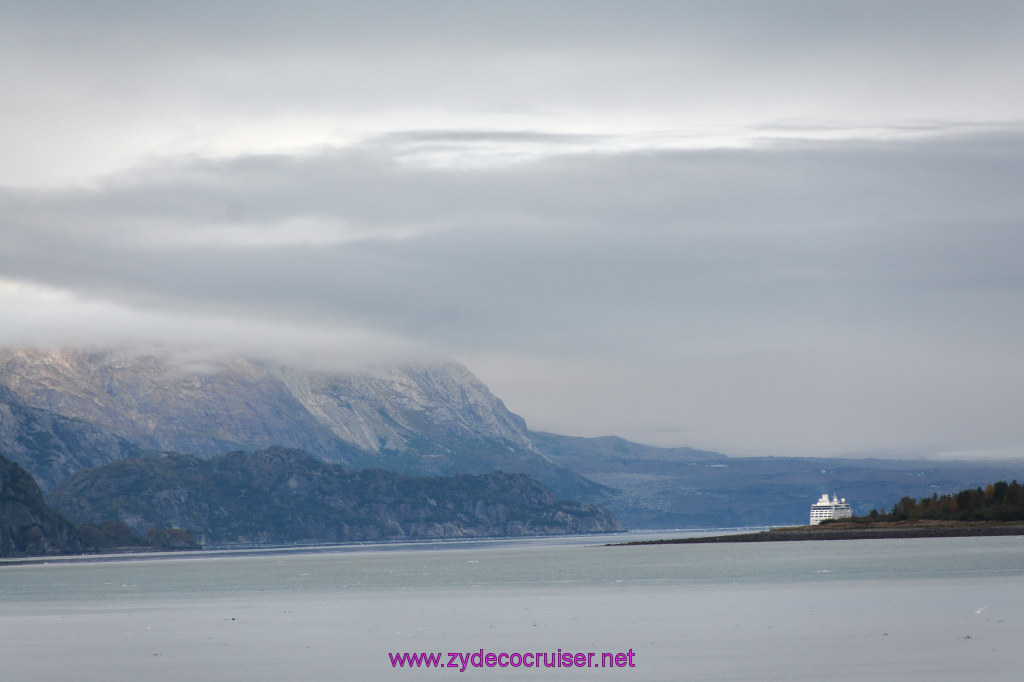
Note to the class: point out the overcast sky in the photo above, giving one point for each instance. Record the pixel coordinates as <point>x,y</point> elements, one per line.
<point>785,228</point>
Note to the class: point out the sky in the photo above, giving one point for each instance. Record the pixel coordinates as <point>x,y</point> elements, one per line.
<point>762,228</point>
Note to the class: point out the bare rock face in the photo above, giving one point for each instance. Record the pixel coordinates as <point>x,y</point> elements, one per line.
<point>426,418</point>
<point>399,407</point>
<point>51,446</point>
<point>166,403</point>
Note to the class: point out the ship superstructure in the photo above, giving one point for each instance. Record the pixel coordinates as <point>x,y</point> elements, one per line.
<point>825,508</point>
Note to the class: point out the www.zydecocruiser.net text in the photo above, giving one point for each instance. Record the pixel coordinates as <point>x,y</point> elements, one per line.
<point>462,660</point>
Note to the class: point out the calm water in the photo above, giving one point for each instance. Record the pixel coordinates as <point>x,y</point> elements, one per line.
<point>934,609</point>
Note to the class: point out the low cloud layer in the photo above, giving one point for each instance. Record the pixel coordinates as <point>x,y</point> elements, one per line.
<point>781,229</point>
<point>780,279</point>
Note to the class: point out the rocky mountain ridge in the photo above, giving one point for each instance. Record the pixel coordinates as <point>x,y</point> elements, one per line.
<point>422,418</point>
<point>280,495</point>
<point>68,410</point>
<point>52,447</point>
<point>394,407</point>
<point>685,488</point>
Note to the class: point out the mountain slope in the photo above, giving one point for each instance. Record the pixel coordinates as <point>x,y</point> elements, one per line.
<point>28,526</point>
<point>685,488</point>
<point>167,403</point>
<point>52,447</point>
<point>279,495</point>
<point>399,408</point>
<point>427,418</point>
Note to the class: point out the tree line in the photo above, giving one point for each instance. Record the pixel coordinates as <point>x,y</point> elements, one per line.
<point>1000,501</point>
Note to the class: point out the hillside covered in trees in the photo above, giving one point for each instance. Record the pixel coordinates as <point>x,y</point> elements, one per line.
<point>1000,501</point>
<point>284,496</point>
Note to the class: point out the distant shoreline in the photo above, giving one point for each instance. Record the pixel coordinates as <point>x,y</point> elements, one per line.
<point>845,532</point>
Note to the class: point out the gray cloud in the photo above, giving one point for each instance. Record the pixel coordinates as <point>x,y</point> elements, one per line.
<point>788,227</point>
<point>98,85</point>
<point>571,250</point>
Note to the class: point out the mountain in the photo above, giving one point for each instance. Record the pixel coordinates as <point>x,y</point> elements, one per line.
<point>685,488</point>
<point>280,495</point>
<point>575,451</point>
<point>51,446</point>
<point>167,402</point>
<point>27,525</point>
<point>72,409</point>
<point>425,418</point>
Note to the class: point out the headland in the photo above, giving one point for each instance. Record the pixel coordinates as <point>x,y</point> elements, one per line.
<point>854,531</point>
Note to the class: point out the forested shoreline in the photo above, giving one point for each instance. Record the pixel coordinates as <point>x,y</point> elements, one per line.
<point>1000,501</point>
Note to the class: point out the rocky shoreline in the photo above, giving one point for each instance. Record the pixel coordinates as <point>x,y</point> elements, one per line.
<point>806,533</point>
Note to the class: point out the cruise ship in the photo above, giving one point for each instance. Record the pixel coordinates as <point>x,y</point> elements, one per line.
<point>829,509</point>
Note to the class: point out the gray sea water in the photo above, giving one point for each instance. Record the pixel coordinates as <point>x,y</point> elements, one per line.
<point>926,609</point>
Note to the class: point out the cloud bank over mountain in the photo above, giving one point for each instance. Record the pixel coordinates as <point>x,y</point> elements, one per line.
<point>785,229</point>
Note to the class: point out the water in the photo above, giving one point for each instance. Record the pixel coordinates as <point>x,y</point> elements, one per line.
<point>926,609</point>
